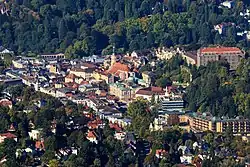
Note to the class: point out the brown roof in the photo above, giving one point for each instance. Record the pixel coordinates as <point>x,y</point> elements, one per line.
<point>8,135</point>
<point>118,67</point>
<point>77,70</point>
<point>192,54</point>
<point>88,65</point>
<point>220,50</point>
<point>150,91</point>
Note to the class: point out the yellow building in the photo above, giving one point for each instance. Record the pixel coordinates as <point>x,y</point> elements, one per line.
<point>83,73</point>
<point>239,126</point>
<point>53,68</point>
<point>183,118</point>
<point>168,53</point>
<point>147,78</point>
<point>98,75</point>
<point>58,85</point>
<point>121,91</point>
<point>102,76</point>
<point>201,122</point>
<point>204,122</point>
<point>19,64</point>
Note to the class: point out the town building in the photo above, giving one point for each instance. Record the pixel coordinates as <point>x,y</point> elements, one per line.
<point>5,80</point>
<point>54,69</point>
<point>232,55</point>
<point>92,136</point>
<point>8,135</point>
<point>119,70</point>
<point>222,27</point>
<point>206,122</point>
<point>103,76</point>
<point>35,134</point>
<point>148,77</point>
<point>239,126</point>
<point>229,4</point>
<point>5,103</point>
<point>149,92</point>
<point>20,63</point>
<point>168,53</point>
<point>52,56</point>
<point>121,91</point>
<point>94,59</point>
<point>83,73</point>
<point>202,122</point>
<point>160,153</point>
<point>172,104</point>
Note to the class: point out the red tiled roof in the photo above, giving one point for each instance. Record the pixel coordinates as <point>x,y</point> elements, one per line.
<point>160,151</point>
<point>5,102</point>
<point>220,50</point>
<point>97,121</point>
<point>118,67</point>
<point>91,134</point>
<point>92,125</point>
<point>115,126</point>
<point>39,145</point>
<point>8,135</point>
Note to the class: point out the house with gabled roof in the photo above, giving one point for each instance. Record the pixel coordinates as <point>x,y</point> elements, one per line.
<point>7,135</point>
<point>92,136</point>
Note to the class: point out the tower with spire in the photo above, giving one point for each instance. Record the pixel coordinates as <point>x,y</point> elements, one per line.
<point>113,57</point>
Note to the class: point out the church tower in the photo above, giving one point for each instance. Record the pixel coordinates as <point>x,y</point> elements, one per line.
<point>113,57</point>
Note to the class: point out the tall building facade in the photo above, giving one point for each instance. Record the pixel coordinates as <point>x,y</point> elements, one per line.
<point>232,55</point>
<point>206,122</point>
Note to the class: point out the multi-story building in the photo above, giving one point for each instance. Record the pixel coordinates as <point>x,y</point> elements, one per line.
<point>53,68</point>
<point>100,75</point>
<point>53,56</point>
<point>83,73</point>
<point>172,104</point>
<point>149,92</point>
<point>232,55</point>
<point>121,91</point>
<point>204,122</point>
<point>239,126</point>
<point>201,122</point>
